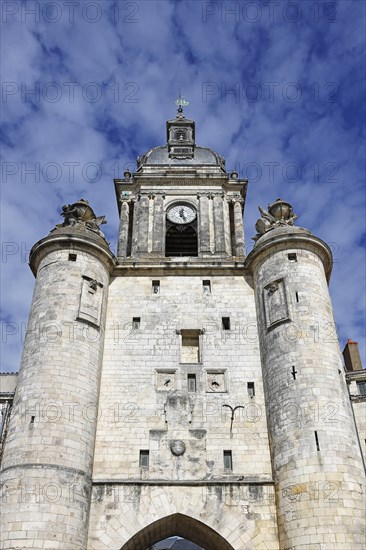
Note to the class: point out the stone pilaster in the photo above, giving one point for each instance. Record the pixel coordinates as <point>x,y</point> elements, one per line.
<point>227,229</point>
<point>143,225</point>
<point>204,234</point>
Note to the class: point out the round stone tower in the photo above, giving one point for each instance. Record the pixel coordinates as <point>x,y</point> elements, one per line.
<point>316,459</point>
<point>48,457</point>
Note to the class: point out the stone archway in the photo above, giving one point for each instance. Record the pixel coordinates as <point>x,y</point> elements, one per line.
<point>181,525</point>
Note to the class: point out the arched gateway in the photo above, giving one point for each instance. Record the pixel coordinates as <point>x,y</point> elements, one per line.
<point>181,525</point>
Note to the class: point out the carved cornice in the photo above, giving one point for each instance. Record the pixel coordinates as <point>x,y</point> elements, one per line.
<point>151,194</point>
<point>211,194</point>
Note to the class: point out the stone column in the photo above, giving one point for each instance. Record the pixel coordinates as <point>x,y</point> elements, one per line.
<point>158,225</point>
<point>238,229</point>
<point>123,229</point>
<point>218,210</point>
<point>204,225</point>
<point>135,226</point>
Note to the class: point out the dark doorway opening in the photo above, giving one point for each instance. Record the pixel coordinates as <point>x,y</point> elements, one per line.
<point>175,543</point>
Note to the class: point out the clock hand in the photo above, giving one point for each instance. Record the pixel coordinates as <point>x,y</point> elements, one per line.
<point>182,214</point>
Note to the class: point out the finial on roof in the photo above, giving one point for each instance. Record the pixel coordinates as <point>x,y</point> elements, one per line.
<point>181,102</point>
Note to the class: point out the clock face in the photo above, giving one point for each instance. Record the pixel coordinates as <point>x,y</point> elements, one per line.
<point>181,213</point>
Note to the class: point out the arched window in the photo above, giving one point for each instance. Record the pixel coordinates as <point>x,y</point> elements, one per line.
<point>180,134</point>
<point>181,240</point>
<point>181,230</point>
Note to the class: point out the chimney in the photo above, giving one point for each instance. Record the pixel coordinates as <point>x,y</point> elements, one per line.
<point>351,356</point>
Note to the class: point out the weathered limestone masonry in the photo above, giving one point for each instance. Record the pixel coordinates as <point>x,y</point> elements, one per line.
<point>48,457</point>
<point>182,445</point>
<point>317,463</point>
<point>182,388</point>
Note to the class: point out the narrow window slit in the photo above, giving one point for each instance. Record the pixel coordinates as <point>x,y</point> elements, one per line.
<point>297,296</point>
<point>206,287</point>
<point>317,441</point>
<point>156,287</point>
<point>251,390</point>
<point>191,383</point>
<point>226,323</point>
<point>228,460</point>
<point>144,459</point>
<point>294,372</point>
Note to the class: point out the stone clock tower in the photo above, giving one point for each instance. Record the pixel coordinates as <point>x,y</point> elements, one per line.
<point>181,388</point>
<point>180,203</point>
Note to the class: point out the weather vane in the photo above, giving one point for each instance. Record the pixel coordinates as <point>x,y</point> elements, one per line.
<point>181,102</point>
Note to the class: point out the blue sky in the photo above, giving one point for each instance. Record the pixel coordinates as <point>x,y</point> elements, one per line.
<point>276,87</point>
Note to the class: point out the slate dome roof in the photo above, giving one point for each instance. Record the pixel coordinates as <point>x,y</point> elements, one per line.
<point>160,156</point>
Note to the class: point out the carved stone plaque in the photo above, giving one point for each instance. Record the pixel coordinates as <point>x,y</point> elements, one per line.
<point>91,299</point>
<point>216,381</point>
<point>165,380</point>
<point>275,303</point>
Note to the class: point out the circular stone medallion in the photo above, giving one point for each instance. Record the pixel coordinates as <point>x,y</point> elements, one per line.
<point>177,447</point>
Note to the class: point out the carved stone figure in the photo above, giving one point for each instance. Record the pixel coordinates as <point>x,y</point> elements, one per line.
<point>80,213</point>
<point>279,214</point>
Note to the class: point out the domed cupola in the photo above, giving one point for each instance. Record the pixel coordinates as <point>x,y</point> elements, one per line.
<point>180,149</point>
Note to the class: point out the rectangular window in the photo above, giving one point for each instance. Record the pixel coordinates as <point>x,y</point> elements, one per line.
<point>136,323</point>
<point>361,386</point>
<point>144,459</point>
<point>191,383</point>
<point>226,323</point>
<point>156,287</point>
<point>292,257</point>
<point>206,287</point>
<point>251,390</point>
<point>72,257</point>
<point>190,350</point>
<point>228,460</point>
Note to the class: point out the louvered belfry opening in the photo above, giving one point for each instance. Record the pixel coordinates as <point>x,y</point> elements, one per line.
<point>181,241</point>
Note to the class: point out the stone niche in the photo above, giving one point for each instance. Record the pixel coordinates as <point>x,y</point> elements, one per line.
<point>275,303</point>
